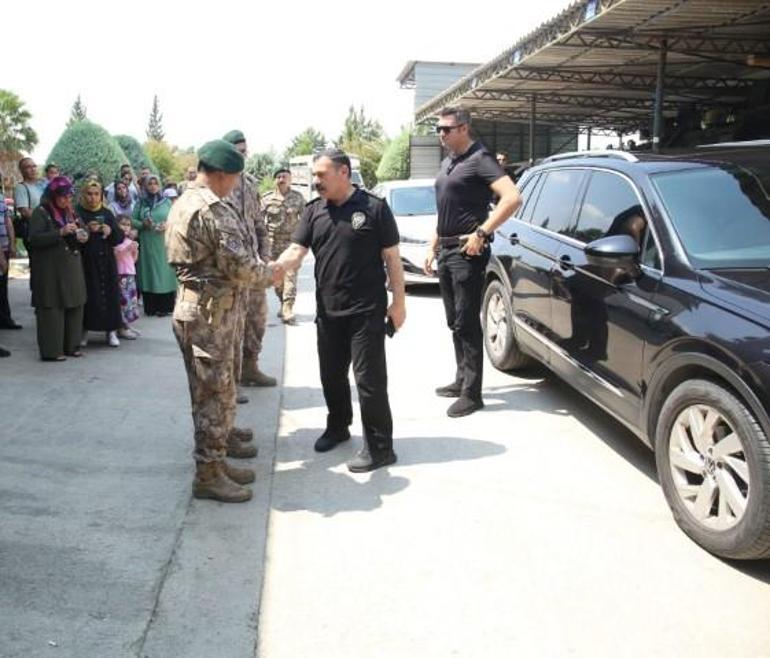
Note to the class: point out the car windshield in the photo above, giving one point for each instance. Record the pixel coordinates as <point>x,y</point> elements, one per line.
<point>413,201</point>
<point>721,213</point>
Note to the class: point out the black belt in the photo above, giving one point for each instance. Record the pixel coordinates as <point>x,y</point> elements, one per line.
<point>452,241</point>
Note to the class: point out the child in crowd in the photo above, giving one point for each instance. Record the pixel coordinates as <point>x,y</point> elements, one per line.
<point>126,254</point>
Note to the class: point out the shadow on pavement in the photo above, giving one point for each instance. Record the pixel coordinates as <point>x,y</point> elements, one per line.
<point>758,569</point>
<point>551,395</point>
<point>314,487</point>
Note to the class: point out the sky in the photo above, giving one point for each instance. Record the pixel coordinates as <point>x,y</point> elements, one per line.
<point>270,70</point>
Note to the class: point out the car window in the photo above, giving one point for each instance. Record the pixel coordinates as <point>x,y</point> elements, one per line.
<point>528,191</point>
<point>555,206</point>
<point>409,201</point>
<point>650,253</point>
<point>721,213</point>
<point>610,207</point>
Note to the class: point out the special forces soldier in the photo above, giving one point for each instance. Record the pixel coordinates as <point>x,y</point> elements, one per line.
<point>282,208</point>
<point>245,199</point>
<point>205,246</point>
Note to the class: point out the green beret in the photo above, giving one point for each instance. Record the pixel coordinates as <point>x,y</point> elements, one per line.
<point>280,170</point>
<point>234,137</point>
<point>221,155</point>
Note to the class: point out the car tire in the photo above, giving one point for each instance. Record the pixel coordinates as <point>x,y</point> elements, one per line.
<point>725,508</point>
<point>497,322</point>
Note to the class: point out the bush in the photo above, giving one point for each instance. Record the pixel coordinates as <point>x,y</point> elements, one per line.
<point>87,146</point>
<point>137,158</point>
<point>394,164</point>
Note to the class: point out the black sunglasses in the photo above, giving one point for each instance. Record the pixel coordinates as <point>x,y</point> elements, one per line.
<point>447,129</point>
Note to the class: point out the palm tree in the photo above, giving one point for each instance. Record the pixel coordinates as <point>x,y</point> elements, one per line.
<point>16,135</point>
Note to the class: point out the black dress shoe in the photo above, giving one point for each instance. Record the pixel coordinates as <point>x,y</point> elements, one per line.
<point>10,325</point>
<point>4,352</point>
<point>452,390</point>
<point>331,439</point>
<point>464,406</point>
<point>365,461</point>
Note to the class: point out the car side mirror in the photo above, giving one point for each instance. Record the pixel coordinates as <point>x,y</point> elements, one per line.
<point>614,251</point>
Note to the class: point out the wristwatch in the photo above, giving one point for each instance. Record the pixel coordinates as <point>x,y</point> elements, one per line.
<point>481,233</point>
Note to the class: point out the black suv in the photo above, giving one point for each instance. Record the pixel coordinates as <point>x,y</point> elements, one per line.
<point>644,282</point>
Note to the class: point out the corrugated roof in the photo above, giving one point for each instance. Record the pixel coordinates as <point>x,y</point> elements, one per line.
<point>596,63</point>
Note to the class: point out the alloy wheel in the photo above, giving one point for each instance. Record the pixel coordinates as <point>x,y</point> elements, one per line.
<point>709,467</point>
<point>497,324</point>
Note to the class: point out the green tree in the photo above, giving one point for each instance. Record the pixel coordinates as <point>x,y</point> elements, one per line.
<point>307,142</point>
<point>169,161</point>
<point>162,156</point>
<point>394,164</point>
<point>16,135</point>
<point>78,112</point>
<point>358,127</point>
<point>155,132</point>
<point>86,146</point>
<point>364,138</point>
<point>137,158</point>
<point>261,165</point>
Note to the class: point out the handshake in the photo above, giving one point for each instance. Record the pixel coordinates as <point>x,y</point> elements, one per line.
<point>277,272</point>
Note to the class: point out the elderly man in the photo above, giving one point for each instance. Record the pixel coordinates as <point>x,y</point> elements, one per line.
<point>282,208</point>
<point>245,201</point>
<point>26,197</point>
<point>468,179</point>
<point>351,233</point>
<point>205,245</point>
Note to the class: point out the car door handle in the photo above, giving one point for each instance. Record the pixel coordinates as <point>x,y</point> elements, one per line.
<point>565,262</point>
<point>513,238</point>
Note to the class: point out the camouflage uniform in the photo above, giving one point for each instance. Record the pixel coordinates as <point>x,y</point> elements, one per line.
<point>205,246</point>
<point>251,331</point>
<point>282,214</point>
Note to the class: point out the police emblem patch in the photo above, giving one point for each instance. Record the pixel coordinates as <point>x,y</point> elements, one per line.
<point>357,220</point>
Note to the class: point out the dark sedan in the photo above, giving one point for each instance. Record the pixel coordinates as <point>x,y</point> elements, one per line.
<point>645,283</point>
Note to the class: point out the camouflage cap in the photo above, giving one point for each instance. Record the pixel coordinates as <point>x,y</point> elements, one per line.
<point>222,156</point>
<point>234,137</point>
<point>281,169</point>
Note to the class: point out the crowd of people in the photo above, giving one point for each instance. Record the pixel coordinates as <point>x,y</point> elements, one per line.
<point>95,255</point>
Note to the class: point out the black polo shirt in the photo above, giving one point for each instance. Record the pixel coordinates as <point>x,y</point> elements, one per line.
<point>462,190</point>
<point>347,242</point>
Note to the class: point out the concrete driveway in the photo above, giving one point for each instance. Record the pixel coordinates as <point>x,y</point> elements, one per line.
<point>533,528</point>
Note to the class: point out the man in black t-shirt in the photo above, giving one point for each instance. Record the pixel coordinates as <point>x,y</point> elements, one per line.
<point>466,182</point>
<point>351,233</point>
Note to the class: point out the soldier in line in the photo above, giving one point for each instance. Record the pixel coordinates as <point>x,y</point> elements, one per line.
<point>282,209</point>
<point>245,199</point>
<point>205,246</point>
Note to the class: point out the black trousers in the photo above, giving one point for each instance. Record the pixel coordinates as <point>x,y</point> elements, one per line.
<point>461,280</point>
<point>359,339</point>
<point>5,308</point>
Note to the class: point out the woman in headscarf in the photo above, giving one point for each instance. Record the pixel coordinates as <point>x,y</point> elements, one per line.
<point>56,272</point>
<point>102,311</point>
<point>156,279</point>
<point>123,203</point>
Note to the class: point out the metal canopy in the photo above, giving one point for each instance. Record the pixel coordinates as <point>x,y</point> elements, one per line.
<point>596,64</point>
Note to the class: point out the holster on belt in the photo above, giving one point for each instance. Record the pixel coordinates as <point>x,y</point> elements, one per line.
<point>212,301</point>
